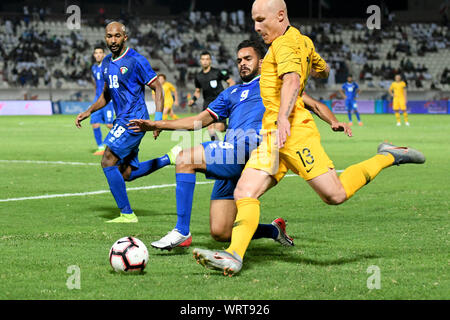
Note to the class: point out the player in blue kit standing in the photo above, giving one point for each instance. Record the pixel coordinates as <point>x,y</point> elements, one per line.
<point>222,161</point>
<point>126,74</point>
<point>105,115</point>
<point>349,92</point>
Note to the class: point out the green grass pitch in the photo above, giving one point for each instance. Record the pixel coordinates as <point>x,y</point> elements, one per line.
<point>398,223</point>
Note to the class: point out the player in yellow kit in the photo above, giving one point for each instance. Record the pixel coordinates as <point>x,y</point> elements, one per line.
<point>398,91</point>
<point>169,93</point>
<point>291,140</point>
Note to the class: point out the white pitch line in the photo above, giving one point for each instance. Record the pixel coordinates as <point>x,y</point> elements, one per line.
<point>51,162</point>
<point>81,194</point>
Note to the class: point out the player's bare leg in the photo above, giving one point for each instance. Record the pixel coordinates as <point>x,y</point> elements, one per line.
<point>222,214</point>
<point>329,187</point>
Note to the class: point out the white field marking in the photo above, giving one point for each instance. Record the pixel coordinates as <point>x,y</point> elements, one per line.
<point>51,162</point>
<point>59,163</point>
<point>82,194</point>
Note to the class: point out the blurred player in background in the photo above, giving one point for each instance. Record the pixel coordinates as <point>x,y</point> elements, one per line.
<point>209,82</point>
<point>170,97</point>
<point>349,91</point>
<point>291,140</point>
<point>397,90</point>
<point>105,115</point>
<point>222,161</point>
<point>126,75</point>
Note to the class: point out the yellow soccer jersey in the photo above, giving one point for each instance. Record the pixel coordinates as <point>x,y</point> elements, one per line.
<point>168,90</point>
<point>291,52</point>
<point>398,88</point>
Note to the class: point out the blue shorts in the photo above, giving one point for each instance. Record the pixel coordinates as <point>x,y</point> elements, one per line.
<point>350,104</point>
<point>223,190</point>
<point>124,143</point>
<point>222,164</point>
<point>103,116</point>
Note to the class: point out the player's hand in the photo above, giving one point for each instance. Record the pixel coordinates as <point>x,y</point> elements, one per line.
<point>342,126</point>
<point>191,102</point>
<point>284,130</point>
<point>141,125</point>
<point>81,116</point>
<point>156,134</point>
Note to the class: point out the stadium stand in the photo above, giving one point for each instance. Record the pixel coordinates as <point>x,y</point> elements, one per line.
<point>47,55</point>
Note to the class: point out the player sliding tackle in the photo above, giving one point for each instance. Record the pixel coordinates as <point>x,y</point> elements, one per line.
<point>126,74</point>
<point>291,140</point>
<point>222,161</point>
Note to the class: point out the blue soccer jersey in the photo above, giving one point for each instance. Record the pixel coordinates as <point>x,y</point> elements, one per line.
<point>97,74</point>
<point>243,106</point>
<point>126,78</point>
<point>106,114</point>
<point>350,90</point>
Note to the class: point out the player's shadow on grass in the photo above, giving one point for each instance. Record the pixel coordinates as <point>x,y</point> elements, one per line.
<point>112,212</point>
<point>261,255</point>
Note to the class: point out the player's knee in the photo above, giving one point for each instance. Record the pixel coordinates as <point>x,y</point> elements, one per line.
<point>244,191</point>
<point>335,198</point>
<point>220,234</point>
<point>184,162</point>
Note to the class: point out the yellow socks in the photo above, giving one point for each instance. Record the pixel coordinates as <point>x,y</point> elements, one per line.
<point>356,176</point>
<point>405,116</point>
<point>164,117</point>
<point>247,220</point>
<point>397,116</point>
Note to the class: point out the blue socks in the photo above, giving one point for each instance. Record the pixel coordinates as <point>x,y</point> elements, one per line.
<point>148,167</point>
<point>98,136</point>
<point>357,116</point>
<point>118,188</point>
<point>184,196</point>
<point>265,231</point>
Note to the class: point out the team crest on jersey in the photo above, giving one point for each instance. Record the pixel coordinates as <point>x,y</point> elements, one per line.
<point>123,70</point>
<point>213,83</point>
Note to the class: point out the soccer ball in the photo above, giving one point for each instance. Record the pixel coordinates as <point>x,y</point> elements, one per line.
<point>128,254</point>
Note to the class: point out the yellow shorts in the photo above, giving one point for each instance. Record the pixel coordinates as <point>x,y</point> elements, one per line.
<point>398,104</point>
<point>302,153</point>
<point>168,107</point>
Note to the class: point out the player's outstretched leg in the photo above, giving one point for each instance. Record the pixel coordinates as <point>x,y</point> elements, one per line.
<point>401,155</point>
<point>150,166</point>
<point>276,231</point>
<point>220,260</point>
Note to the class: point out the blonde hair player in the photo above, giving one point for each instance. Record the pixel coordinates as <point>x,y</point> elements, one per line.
<point>291,140</point>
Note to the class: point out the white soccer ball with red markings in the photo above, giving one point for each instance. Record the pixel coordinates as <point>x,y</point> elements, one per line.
<point>128,254</point>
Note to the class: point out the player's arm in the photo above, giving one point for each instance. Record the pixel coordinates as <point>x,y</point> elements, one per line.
<point>321,74</point>
<point>342,94</point>
<point>159,95</point>
<point>195,96</point>
<point>406,96</point>
<point>201,120</point>
<point>230,82</point>
<point>102,101</point>
<point>324,113</point>
<point>391,91</point>
<point>290,90</point>
<point>319,67</point>
<point>175,97</point>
